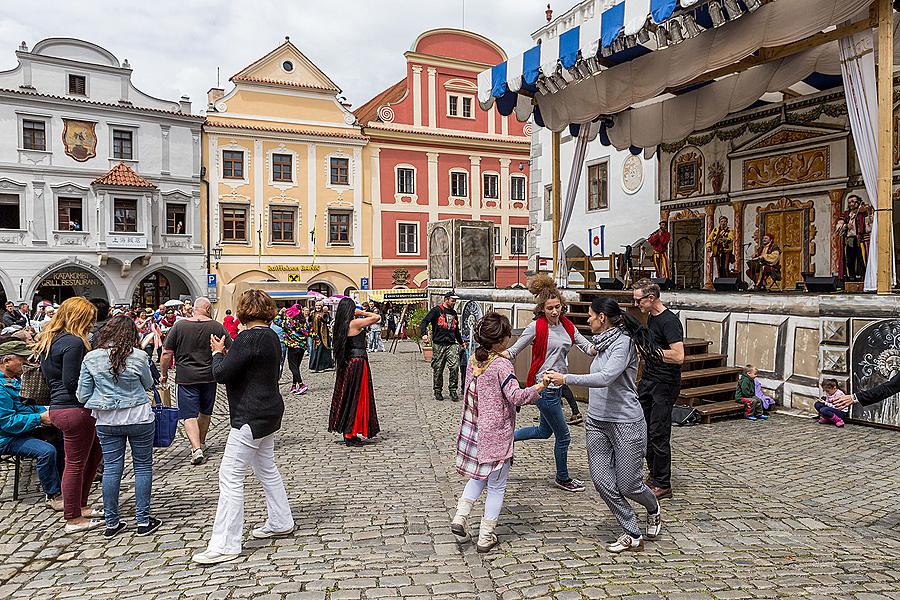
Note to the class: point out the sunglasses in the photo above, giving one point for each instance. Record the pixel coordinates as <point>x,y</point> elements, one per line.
<point>638,300</point>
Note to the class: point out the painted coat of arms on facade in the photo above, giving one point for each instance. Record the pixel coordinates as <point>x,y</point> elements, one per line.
<point>79,139</point>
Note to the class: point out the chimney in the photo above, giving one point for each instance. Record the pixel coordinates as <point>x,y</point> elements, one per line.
<point>185,104</point>
<point>215,94</point>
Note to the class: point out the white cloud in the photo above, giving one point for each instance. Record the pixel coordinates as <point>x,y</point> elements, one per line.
<point>175,46</point>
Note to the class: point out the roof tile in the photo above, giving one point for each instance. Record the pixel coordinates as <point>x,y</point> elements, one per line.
<point>123,176</point>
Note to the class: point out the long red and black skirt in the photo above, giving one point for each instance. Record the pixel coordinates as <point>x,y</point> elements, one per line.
<point>353,402</point>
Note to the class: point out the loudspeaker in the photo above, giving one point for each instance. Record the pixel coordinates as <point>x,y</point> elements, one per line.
<point>822,285</point>
<point>610,283</point>
<point>725,284</point>
<point>662,282</point>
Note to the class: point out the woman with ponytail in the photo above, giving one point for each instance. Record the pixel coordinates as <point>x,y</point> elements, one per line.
<point>615,428</point>
<point>551,335</point>
<point>484,445</point>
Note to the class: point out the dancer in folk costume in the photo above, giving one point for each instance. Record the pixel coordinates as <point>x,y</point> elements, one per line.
<point>320,358</point>
<point>484,445</point>
<point>353,402</point>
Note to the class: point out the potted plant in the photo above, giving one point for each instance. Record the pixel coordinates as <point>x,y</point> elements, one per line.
<point>717,176</point>
<point>414,333</point>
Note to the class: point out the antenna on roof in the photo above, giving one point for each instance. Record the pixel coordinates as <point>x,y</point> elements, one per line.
<point>217,77</point>
<point>463,14</point>
<point>287,38</point>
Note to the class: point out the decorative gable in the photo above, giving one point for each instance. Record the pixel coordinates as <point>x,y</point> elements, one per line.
<point>786,134</point>
<point>286,66</point>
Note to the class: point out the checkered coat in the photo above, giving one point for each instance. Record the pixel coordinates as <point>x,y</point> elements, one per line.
<point>489,416</point>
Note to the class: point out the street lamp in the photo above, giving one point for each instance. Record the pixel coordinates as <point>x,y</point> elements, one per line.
<point>217,254</point>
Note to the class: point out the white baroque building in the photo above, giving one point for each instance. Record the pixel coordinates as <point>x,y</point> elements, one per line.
<point>99,182</point>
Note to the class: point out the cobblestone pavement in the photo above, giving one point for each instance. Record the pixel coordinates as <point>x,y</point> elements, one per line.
<point>782,509</point>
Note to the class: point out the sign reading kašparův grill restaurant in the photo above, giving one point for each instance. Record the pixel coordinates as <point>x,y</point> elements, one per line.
<point>70,279</point>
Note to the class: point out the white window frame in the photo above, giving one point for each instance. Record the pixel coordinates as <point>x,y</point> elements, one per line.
<point>484,186</point>
<point>235,181</point>
<point>295,211</point>
<point>498,240</point>
<point>397,193</point>
<point>248,223</point>
<point>57,196</point>
<point>350,226</point>
<point>512,245</point>
<point>295,168</point>
<point>512,187</point>
<point>48,134</point>
<point>587,184</point>
<point>187,216</point>
<point>547,200</point>
<point>417,239</point>
<point>459,171</point>
<point>20,193</point>
<point>87,84</point>
<point>138,223</point>
<point>113,127</point>
<point>459,105</point>
<point>349,160</point>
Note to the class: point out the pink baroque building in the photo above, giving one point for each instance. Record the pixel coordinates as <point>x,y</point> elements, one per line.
<point>433,154</point>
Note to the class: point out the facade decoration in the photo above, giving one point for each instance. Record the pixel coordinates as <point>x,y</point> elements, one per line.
<point>80,139</point>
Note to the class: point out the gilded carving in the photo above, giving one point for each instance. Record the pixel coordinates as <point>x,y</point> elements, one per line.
<point>785,136</point>
<point>687,174</point>
<point>792,223</point>
<point>786,169</point>
<point>686,214</point>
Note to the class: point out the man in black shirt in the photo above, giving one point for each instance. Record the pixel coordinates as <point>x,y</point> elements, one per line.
<point>660,384</point>
<point>12,317</point>
<point>446,341</point>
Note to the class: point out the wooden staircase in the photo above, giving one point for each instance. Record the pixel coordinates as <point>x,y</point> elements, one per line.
<point>707,383</point>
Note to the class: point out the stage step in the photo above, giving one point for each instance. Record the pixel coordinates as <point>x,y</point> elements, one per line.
<point>707,393</point>
<point>691,361</point>
<point>725,408</point>
<point>710,372</point>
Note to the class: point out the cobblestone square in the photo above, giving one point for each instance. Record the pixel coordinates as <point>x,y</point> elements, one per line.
<point>781,509</point>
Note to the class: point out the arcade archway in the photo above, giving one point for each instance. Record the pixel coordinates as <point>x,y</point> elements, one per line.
<point>66,282</point>
<point>158,288</point>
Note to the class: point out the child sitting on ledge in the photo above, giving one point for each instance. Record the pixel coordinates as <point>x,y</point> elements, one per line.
<point>746,395</point>
<point>826,409</point>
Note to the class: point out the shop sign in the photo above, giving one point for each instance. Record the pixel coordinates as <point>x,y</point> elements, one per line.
<point>364,283</point>
<point>126,241</point>
<point>295,277</point>
<point>70,279</point>
<point>292,267</point>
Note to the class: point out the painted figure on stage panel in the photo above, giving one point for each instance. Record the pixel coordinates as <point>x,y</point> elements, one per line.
<point>720,244</point>
<point>854,228</point>
<point>766,264</point>
<point>659,241</point>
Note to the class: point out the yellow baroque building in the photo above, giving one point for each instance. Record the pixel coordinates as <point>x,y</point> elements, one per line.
<point>283,165</point>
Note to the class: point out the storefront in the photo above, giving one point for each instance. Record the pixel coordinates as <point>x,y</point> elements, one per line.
<point>158,288</point>
<point>67,282</point>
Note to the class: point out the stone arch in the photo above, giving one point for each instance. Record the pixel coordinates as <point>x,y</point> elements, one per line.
<point>105,280</point>
<point>249,276</point>
<point>336,279</point>
<point>6,286</point>
<point>182,274</point>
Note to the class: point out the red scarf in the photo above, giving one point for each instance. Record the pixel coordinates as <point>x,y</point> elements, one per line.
<point>539,346</point>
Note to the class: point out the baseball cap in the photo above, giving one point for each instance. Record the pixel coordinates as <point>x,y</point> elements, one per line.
<point>451,294</point>
<point>16,347</point>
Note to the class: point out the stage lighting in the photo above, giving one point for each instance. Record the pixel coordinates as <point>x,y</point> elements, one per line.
<point>643,35</point>
<point>754,4</point>
<point>733,9</point>
<point>715,13</point>
<point>662,37</point>
<point>691,27</point>
<point>676,32</point>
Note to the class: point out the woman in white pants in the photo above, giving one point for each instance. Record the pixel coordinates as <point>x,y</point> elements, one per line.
<point>250,374</point>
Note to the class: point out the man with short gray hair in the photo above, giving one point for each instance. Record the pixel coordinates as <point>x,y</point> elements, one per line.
<point>188,342</point>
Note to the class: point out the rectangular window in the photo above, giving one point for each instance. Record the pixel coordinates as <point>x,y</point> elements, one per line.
<point>460,106</point>
<point>407,238</point>
<point>176,218</point>
<point>122,147</point>
<point>459,184</point>
<point>406,181</point>
<point>496,240</point>
<point>491,186</point>
<point>282,225</point>
<point>466,107</point>
<point>9,211</point>
<point>282,168</point>
<point>517,242</point>
<point>34,135</point>
<point>234,224</point>
<point>339,228</point>
<point>69,214</point>
<point>77,85</point>
<point>232,164</point>
<point>340,171</point>
<point>548,202</point>
<point>125,215</point>
<point>517,189</point>
<point>453,108</point>
<point>598,186</point>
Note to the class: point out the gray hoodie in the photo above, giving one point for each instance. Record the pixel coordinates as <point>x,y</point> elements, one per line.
<point>612,394</point>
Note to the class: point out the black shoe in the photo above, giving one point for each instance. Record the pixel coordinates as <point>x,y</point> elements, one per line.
<point>353,441</point>
<point>454,399</point>
<point>113,531</point>
<point>150,527</point>
<point>439,398</point>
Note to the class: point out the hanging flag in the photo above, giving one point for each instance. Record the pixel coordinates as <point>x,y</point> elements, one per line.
<point>597,243</point>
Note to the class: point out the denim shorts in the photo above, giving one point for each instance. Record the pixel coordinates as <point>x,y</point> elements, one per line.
<point>196,399</point>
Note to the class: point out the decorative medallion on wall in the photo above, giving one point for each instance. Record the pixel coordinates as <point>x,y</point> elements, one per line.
<point>786,169</point>
<point>386,114</point>
<point>875,359</point>
<point>79,139</point>
<point>471,314</point>
<point>400,277</point>
<point>632,174</point>
<point>528,129</point>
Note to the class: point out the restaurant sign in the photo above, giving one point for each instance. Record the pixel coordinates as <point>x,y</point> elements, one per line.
<point>292,267</point>
<point>70,279</point>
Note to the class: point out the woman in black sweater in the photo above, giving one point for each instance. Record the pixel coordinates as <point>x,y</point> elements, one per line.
<point>61,347</point>
<point>250,372</point>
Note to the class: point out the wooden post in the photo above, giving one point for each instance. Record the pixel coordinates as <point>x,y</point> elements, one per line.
<point>555,209</point>
<point>885,146</point>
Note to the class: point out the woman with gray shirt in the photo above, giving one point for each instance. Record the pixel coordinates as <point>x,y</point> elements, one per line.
<point>615,428</point>
<point>551,336</point>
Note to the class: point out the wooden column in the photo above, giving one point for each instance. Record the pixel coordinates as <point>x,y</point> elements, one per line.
<point>885,146</point>
<point>739,238</point>
<point>555,192</point>
<point>837,248</point>
<point>710,210</point>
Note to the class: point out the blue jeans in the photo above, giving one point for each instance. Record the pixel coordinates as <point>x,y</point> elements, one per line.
<point>553,421</point>
<point>112,441</point>
<point>48,458</point>
<point>828,412</point>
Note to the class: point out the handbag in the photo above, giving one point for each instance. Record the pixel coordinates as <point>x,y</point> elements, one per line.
<point>35,390</point>
<point>685,415</point>
<point>166,418</point>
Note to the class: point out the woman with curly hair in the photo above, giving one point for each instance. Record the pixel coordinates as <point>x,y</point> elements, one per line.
<point>61,347</point>
<point>353,402</point>
<point>551,336</point>
<point>114,380</point>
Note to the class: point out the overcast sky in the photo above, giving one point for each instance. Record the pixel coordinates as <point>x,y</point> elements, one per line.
<point>174,46</point>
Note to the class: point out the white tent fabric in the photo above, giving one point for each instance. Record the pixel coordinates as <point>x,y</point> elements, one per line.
<point>645,77</point>
<point>858,69</point>
<point>568,205</point>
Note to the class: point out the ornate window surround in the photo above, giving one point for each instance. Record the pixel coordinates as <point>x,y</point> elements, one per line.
<point>688,156</point>
<point>404,197</point>
<point>295,168</point>
<point>69,189</point>
<point>248,160</point>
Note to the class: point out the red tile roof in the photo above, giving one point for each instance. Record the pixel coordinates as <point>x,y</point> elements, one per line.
<point>369,111</point>
<point>294,130</point>
<point>124,106</point>
<point>280,82</point>
<point>123,176</point>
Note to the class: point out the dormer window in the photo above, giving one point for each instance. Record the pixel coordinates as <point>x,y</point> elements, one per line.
<point>77,85</point>
<point>459,105</point>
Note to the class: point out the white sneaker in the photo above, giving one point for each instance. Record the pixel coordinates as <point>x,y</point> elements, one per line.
<point>197,456</point>
<point>210,557</point>
<point>265,531</point>
<point>626,543</point>
<point>654,522</point>
<point>78,528</point>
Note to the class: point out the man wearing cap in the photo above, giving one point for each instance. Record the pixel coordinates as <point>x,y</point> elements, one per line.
<point>446,341</point>
<point>21,426</point>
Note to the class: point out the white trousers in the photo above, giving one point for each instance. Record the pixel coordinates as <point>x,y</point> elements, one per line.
<point>241,452</point>
<point>496,488</point>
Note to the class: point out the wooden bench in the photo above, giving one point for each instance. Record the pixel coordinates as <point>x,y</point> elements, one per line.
<point>16,461</point>
<point>726,408</point>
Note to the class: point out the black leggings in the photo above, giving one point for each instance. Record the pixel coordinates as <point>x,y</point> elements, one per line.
<point>570,398</point>
<point>294,357</point>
